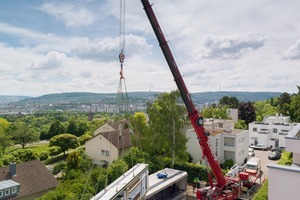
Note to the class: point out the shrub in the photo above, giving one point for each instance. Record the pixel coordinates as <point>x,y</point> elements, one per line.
<point>43,155</point>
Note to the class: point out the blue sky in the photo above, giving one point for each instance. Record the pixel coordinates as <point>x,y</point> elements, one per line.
<point>73,46</point>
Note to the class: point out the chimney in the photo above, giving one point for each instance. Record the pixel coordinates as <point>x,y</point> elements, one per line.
<point>13,169</point>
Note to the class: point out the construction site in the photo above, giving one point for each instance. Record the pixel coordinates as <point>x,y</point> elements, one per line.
<point>241,182</point>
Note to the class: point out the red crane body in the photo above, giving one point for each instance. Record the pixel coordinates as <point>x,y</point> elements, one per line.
<point>218,188</point>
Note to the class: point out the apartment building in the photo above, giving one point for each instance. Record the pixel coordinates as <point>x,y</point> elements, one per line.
<point>271,132</point>
<point>226,142</point>
<point>284,180</point>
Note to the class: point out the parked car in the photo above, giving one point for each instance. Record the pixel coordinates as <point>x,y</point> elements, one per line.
<point>275,155</point>
<point>279,149</point>
<point>251,152</point>
<point>259,147</point>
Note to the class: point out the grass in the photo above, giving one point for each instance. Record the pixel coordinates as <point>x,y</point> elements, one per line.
<point>36,147</point>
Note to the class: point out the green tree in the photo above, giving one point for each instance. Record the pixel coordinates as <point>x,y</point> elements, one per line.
<point>295,108</point>
<point>262,109</point>
<point>231,102</point>
<point>166,118</point>
<point>247,112</point>
<point>64,141</point>
<point>24,135</point>
<point>5,140</point>
<point>72,127</point>
<point>283,102</point>
<point>116,169</point>
<point>56,128</point>
<point>217,112</point>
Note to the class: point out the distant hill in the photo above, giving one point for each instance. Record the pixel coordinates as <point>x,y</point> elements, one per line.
<point>8,98</point>
<point>198,98</point>
<point>210,97</point>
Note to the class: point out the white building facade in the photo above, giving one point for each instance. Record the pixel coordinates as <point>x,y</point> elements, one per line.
<point>284,180</point>
<point>226,143</point>
<point>271,132</point>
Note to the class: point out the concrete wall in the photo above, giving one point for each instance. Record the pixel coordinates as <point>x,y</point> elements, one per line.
<point>283,182</point>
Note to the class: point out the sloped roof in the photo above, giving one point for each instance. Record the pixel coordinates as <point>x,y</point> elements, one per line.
<point>119,134</point>
<point>33,177</point>
<point>105,128</point>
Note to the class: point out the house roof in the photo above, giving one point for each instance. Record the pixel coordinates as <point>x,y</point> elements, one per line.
<point>119,133</point>
<point>33,177</point>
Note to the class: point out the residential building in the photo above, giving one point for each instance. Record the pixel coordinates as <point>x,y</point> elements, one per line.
<point>25,181</point>
<point>110,141</point>
<point>284,180</point>
<point>271,132</point>
<point>226,142</point>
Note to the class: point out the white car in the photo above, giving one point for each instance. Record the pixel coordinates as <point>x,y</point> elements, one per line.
<point>259,146</point>
<point>251,152</point>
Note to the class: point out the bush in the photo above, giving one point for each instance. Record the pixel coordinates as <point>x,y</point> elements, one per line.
<point>262,194</point>
<point>228,164</point>
<point>26,155</point>
<point>53,151</point>
<point>59,167</point>
<point>43,155</point>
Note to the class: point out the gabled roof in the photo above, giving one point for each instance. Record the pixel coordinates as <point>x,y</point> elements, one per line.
<point>33,177</point>
<point>119,134</point>
<point>105,128</point>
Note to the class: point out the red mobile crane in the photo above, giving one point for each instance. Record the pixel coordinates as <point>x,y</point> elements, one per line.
<point>222,189</point>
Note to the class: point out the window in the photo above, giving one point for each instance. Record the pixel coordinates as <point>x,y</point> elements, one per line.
<point>230,142</point>
<point>220,125</point>
<point>254,129</point>
<point>14,190</point>
<point>104,152</point>
<point>274,130</point>
<point>7,192</point>
<point>1,193</point>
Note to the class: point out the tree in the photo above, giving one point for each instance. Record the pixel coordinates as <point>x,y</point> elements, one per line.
<point>56,128</point>
<point>217,112</point>
<point>166,118</point>
<point>24,135</point>
<point>262,109</point>
<point>64,141</point>
<point>295,108</point>
<point>283,102</point>
<point>231,102</point>
<point>247,112</point>
<point>5,140</point>
<point>140,130</point>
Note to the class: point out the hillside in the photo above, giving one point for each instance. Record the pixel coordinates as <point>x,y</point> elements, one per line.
<point>86,97</point>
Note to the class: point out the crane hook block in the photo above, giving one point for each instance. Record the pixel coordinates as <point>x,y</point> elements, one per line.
<point>200,121</point>
<point>121,57</point>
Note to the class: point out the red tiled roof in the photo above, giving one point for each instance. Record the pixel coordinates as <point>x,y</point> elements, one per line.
<point>33,177</point>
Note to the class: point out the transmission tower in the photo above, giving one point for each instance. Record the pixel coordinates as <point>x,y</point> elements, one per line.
<point>122,101</point>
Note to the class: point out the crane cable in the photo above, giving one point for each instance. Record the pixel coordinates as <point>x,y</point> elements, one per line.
<point>122,36</point>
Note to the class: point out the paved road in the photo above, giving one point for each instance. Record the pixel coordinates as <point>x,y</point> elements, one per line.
<point>263,155</point>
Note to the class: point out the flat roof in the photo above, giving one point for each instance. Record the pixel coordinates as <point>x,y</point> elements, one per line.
<point>8,184</point>
<point>120,184</point>
<point>156,185</point>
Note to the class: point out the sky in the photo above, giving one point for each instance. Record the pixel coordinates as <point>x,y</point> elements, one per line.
<point>63,46</point>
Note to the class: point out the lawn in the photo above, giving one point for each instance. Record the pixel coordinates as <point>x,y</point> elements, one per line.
<point>37,147</point>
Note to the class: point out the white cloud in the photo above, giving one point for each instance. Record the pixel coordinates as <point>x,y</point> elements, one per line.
<point>70,14</point>
<point>293,51</point>
<point>230,47</point>
<point>52,60</point>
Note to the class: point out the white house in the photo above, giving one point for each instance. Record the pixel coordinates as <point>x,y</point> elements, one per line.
<point>284,180</point>
<point>271,132</point>
<point>110,141</point>
<point>226,142</point>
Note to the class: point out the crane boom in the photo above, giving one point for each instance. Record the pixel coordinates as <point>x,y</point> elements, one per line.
<point>196,120</point>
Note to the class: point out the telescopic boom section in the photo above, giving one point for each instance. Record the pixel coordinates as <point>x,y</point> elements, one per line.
<point>196,121</point>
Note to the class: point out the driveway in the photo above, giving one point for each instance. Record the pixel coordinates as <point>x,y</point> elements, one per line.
<point>263,155</point>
